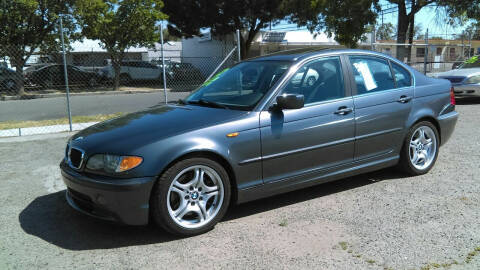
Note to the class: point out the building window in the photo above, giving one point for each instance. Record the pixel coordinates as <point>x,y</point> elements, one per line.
<point>439,51</point>
<point>452,52</point>
<point>420,52</point>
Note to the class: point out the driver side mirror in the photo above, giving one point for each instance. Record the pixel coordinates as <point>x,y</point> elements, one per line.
<point>290,101</point>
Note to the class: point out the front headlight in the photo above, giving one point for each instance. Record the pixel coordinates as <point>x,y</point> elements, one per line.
<point>113,163</point>
<point>473,80</point>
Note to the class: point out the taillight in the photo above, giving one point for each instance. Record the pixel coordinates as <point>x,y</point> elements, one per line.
<point>452,96</point>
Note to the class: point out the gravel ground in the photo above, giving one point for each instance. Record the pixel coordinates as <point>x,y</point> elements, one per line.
<point>381,220</point>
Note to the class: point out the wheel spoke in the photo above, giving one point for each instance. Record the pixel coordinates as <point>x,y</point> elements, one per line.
<point>415,157</point>
<point>205,187</point>
<point>421,158</point>
<point>207,196</point>
<point>429,145</point>
<point>180,192</point>
<point>182,209</point>
<point>422,135</point>
<point>180,186</point>
<point>198,177</point>
<point>201,211</point>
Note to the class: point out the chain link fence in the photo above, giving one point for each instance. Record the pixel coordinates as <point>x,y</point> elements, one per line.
<point>34,99</point>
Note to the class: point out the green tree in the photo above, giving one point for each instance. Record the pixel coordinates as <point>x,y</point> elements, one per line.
<point>408,8</point>
<point>473,31</point>
<point>119,25</point>
<point>346,20</point>
<point>30,26</point>
<point>187,17</point>
<point>385,31</point>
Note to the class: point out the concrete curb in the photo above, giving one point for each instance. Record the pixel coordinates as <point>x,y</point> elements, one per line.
<point>17,132</point>
<point>35,96</point>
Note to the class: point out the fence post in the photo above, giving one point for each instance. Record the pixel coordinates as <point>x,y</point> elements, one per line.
<point>163,65</point>
<point>238,46</point>
<point>66,75</point>
<point>426,54</point>
<point>373,38</point>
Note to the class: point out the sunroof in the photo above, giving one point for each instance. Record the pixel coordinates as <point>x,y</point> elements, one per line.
<point>274,36</point>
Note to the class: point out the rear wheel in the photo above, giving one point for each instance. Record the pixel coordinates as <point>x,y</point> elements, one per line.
<point>420,149</point>
<point>125,79</point>
<point>9,84</point>
<point>191,197</point>
<point>92,82</point>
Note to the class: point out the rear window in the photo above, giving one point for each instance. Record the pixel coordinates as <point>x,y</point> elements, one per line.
<point>402,76</point>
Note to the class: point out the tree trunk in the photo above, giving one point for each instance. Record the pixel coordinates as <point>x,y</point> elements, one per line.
<point>402,27</point>
<point>411,27</point>
<point>116,57</point>
<point>19,63</point>
<point>116,78</point>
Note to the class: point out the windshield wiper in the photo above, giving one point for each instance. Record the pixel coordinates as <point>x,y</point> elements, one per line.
<point>208,103</point>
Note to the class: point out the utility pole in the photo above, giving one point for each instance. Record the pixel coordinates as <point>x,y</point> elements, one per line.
<point>65,74</point>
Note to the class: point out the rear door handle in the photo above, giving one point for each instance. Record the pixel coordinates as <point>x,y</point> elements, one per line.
<point>343,110</point>
<point>404,99</point>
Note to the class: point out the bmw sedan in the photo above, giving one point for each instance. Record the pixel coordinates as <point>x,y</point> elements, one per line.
<point>181,165</point>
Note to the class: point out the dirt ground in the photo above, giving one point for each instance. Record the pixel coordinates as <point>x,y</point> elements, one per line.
<point>381,220</point>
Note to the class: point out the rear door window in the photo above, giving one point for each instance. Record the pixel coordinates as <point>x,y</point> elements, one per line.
<point>372,74</point>
<point>402,76</point>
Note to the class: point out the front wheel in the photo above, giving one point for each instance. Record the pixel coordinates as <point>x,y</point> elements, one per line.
<point>420,149</point>
<point>191,197</point>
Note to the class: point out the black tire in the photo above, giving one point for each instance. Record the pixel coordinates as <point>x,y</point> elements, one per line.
<point>9,85</point>
<point>158,202</point>
<point>92,82</point>
<point>405,163</point>
<point>125,79</point>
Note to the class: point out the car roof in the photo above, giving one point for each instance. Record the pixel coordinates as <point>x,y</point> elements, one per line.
<point>300,54</point>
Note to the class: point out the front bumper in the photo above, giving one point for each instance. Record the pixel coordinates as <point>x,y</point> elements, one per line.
<point>120,200</point>
<point>466,90</point>
<point>447,124</point>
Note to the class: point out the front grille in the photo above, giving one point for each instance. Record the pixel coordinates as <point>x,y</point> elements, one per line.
<point>454,79</point>
<point>75,158</point>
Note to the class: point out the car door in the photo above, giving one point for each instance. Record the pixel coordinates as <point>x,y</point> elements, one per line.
<point>298,144</point>
<point>382,105</point>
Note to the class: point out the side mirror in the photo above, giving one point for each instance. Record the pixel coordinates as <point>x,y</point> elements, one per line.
<point>290,101</point>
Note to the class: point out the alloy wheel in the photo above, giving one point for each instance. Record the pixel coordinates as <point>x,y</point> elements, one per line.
<point>423,147</point>
<point>195,196</point>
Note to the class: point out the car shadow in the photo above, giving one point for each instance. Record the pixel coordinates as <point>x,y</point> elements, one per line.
<point>467,100</point>
<point>50,218</point>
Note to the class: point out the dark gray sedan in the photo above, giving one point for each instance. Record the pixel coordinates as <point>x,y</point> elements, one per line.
<point>256,130</point>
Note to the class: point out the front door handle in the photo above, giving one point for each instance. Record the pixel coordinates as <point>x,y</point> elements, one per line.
<point>404,99</point>
<point>343,110</point>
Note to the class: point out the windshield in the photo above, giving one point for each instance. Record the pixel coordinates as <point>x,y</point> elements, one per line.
<point>473,62</point>
<point>240,87</point>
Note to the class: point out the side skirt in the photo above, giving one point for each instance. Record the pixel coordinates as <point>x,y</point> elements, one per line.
<point>351,169</point>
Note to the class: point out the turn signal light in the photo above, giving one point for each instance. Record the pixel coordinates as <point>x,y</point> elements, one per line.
<point>232,135</point>
<point>129,163</point>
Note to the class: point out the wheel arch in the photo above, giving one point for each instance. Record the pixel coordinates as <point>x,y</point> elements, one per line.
<point>213,156</point>
<point>432,120</point>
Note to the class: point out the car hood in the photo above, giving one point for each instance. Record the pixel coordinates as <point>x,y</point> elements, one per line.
<point>129,132</point>
<point>459,72</point>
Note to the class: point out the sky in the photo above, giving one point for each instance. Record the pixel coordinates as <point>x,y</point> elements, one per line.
<point>428,17</point>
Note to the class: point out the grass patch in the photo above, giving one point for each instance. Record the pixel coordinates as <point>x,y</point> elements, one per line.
<point>343,245</point>
<point>370,261</point>
<point>59,121</point>
<point>284,223</point>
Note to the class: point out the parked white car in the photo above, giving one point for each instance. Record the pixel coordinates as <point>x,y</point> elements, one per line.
<point>133,71</point>
<point>465,79</point>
